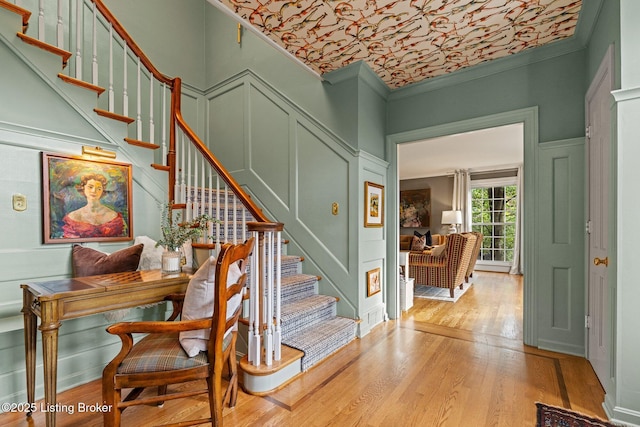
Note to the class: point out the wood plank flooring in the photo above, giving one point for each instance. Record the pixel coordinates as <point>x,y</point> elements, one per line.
<point>441,364</point>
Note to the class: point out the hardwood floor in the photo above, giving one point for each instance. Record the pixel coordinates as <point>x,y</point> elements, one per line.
<point>492,306</point>
<point>441,364</point>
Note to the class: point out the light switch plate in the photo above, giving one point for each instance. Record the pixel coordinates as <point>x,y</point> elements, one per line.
<point>19,202</point>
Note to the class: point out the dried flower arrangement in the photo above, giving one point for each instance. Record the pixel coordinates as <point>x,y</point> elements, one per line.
<point>175,232</point>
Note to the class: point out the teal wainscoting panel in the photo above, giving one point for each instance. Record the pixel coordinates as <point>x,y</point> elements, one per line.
<point>372,247</point>
<point>318,190</point>
<point>192,109</point>
<point>295,169</point>
<point>560,214</point>
<point>270,141</point>
<point>561,298</point>
<point>84,349</point>
<point>561,200</point>
<point>226,126</point>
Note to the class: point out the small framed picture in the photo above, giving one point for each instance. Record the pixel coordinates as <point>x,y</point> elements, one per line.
<point>85,200</point>
<point>373,282</point>
<point>373,204</point>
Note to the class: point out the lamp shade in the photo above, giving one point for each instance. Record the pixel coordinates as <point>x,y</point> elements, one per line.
<point>451,217</point>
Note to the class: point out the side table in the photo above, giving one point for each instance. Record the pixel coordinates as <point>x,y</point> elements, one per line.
<point>406,293</point>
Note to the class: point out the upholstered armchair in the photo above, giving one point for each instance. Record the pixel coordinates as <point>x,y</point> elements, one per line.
<point>446,270</point>
<point>474,254</point>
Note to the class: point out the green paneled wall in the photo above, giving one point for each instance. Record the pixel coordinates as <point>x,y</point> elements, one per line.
<point>226,125</point>
<point>225,58</point>
<point>557,86</point>
<point>372,110</point>
<point>18,109</point>
<point>560,218</point>
<point>317,190</point>
<point>270,135</point>
<point>177,27</point>
<point>296,169</point>
<point>605,33</point>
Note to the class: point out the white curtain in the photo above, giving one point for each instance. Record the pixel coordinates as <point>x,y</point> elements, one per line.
<point>462,197</point>
<point>516,267</point>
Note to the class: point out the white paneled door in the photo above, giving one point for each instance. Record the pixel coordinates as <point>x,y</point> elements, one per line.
<point>598,119</point>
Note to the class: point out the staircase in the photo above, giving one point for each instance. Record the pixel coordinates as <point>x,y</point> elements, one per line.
<point>311,331</point>
<point>308,320</point>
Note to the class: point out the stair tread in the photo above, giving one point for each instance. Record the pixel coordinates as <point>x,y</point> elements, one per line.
<point>62,53</point>
<point>311,303</point>
<point>297,279</point>
<point>321,331</point>
<point>322,339</point>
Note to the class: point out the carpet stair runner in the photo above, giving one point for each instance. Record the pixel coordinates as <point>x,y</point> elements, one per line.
<point>309,321</point>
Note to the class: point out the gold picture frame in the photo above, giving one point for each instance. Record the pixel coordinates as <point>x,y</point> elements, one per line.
<point>373,204</point>
<point>70,184</point>
<point>374,282</point>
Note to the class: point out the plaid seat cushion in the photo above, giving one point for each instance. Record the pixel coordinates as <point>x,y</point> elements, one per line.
<point>162,352</point>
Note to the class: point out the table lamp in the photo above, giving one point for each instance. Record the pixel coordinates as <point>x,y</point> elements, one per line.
<point>452,218</point>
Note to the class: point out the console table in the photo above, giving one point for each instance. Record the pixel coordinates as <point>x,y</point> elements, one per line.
<point>59,300</point>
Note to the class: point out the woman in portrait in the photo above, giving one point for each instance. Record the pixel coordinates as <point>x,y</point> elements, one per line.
<point>93,219</point>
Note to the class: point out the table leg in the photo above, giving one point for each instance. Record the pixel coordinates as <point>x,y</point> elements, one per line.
<point>30,323</point>
<point>49,328</point>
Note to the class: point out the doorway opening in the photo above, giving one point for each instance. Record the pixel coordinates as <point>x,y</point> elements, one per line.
<point>525,121</point>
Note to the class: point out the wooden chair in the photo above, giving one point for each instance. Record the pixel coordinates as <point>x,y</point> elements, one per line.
<point>158,359</point>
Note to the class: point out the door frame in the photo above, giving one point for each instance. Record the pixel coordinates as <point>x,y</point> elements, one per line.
<point>529,118</point>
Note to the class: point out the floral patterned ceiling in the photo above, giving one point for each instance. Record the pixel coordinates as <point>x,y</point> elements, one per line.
<point>407,41</point>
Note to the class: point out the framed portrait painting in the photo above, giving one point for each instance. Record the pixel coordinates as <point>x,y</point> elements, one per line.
<point>415,208</point>
<point>373,204</point>
<point>373,282</point>
<point>85,200</point>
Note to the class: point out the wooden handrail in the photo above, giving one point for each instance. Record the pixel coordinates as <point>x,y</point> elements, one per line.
<point>204,150</point>
<point>265,227</point>
<point>132,45</point>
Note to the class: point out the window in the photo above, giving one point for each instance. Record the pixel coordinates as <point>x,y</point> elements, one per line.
<point>494,208</point>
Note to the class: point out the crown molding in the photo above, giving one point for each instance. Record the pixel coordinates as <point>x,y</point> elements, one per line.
<point>363,72</point>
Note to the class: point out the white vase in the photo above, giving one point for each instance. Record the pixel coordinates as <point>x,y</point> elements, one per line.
<point>171,261</point>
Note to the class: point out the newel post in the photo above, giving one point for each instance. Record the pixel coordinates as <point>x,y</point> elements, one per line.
<point>265,293</point>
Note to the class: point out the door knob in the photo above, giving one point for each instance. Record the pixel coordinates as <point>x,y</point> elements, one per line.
<point>598,261</point>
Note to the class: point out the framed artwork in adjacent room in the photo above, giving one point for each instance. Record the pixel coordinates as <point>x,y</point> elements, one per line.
<point>85,200</point>
<point>373,204</point>
<point>415,208</point>
<point>373,282</point>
